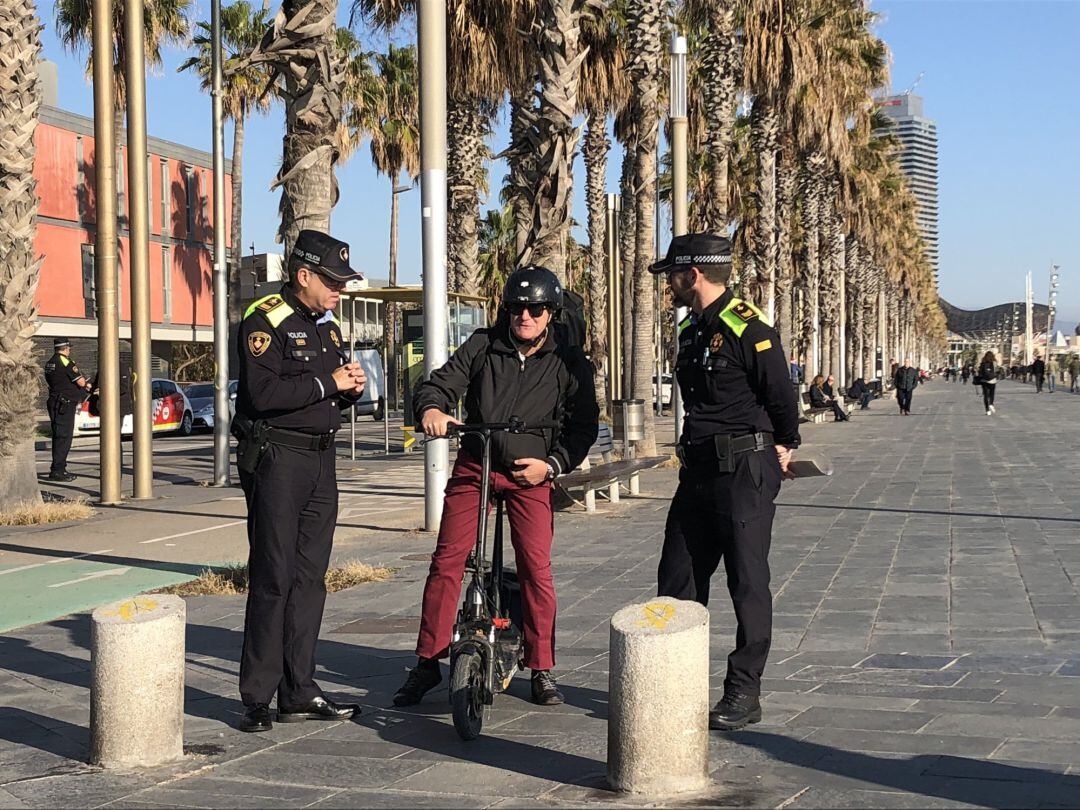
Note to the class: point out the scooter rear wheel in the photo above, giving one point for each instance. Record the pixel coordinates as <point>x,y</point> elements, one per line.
<point>467,694</point>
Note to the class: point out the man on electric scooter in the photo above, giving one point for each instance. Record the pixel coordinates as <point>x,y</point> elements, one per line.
<point>523,367</point>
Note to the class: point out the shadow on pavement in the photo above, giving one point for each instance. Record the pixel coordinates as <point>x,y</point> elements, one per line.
<point>192,570</point>
<point>901,511</point>
<point>953,778</point>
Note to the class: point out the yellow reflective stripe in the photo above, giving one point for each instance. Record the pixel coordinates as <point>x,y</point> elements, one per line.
<point>685,322</point>
<point>64,361</point>
<point>278,314</point>
<point>255,304</point>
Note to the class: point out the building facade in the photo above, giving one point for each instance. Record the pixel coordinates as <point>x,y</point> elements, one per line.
<point>181,241</point>
<point>918,159</point>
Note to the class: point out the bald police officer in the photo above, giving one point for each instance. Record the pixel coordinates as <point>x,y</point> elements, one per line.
<point>741,425</point>
<point>67,389</point>
<point>296,376</point>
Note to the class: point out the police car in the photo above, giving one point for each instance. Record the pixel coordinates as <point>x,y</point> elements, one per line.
<point>172,412</point>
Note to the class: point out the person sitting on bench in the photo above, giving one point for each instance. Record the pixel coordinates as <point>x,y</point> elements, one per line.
<point>859,391</point>
<point>819,399</point>
<point>523,367</point>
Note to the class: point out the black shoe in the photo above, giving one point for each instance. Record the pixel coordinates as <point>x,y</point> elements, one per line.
<point>318,709</point>
<point>64,477</point>
<point>545,692</point>
<point>256,718</point>
<point>734,711</point>
<point>422,679</point>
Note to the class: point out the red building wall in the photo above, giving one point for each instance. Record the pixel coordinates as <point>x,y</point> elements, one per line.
<point>67,217</point>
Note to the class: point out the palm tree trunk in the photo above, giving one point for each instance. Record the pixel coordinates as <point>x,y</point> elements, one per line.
<point>785,269</point>
<point>644,18</point>
<point>467,127</point>
<point>20,377</point>
<point>236,239</point>
<point>810,181</point>
<point>764,127</point>
<point>520,160</point>
<point>627,251</point>
<point>595,150</point>
<point>720,60</point>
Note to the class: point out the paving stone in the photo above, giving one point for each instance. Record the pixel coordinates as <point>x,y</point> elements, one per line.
<point>1065,752</point>
<point>905,743</point>
<point>871,719</point>
<point>321,770</point>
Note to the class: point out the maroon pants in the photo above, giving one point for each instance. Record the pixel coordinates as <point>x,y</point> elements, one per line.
<point>531,530</point>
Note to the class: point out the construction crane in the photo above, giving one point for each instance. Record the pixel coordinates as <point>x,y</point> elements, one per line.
<point>914,84</point>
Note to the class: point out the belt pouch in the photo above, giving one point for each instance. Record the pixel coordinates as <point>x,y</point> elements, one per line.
<point>725,457</point>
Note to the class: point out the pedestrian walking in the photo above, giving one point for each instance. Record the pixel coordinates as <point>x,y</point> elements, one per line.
<point>741,425</point>
<point>987,377</point>
<point>905,379</point>
<point>1038,371</point>
<point>522,367</point>
<point>296,377</point>
<point>67,389</point>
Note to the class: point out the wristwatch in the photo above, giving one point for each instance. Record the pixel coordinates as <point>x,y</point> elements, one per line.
<point>550,473</point>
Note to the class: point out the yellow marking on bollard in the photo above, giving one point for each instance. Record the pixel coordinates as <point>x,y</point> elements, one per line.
<point>127,610</point>
<point>656,615</point>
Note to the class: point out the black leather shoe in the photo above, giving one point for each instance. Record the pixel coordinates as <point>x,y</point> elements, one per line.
<point>734,711</point>
<point>422,679</point>
<point>256,718</point>
<point>318,709</point>
<point>64,477</point>
<point>545,692</point>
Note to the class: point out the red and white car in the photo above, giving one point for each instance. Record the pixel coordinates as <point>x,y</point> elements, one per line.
<point>172,412</point>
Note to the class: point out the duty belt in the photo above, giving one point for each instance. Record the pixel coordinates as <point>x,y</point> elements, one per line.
<point>298,440</point>
<point>718,452</point>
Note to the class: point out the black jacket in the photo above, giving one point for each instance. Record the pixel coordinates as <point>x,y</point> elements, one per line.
<point>907,377</point>
<point>857,389</point>
<point>818,399</point>
<point>62,377</point>
<point>555,384</point>
<point>288,355</point>
<point>1038,367</point>
<point>987,373</point>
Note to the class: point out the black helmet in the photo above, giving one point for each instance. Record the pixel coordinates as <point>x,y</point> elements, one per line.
<point>533,284</point>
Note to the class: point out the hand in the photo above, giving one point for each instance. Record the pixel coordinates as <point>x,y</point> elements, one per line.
<point>784,454</point>
<point>529,471</point>
<point>349,378</point>
<point>435,422</point>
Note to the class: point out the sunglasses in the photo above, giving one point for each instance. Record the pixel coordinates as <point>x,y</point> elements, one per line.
<point>332,284</point>
<point>535,310</point>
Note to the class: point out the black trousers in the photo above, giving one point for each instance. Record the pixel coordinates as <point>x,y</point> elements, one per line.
<point>1039,379</point>
<point>727,517</point>
<point>62,421</point>
<point>988,389</point>
<point>903,397</point>
<point>292,501</point>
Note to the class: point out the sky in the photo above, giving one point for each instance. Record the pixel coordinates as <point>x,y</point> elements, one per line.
<point>996,78</point>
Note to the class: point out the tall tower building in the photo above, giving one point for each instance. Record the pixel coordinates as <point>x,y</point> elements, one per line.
<point>919,162</point>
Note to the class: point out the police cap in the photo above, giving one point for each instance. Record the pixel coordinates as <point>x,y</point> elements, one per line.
<point>325,255</point>
<point>60,343</point>
<point>695,250</point>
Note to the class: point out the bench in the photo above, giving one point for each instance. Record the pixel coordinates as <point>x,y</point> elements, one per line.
<point>606,474</point>
<point>811,414</point>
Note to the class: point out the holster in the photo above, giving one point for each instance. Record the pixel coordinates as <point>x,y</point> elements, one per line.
<point>251,442</point>
<point>718,454</point>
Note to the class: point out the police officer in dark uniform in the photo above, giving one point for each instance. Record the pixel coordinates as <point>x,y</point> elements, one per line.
<point>296,376</point>
<point>67,389</point>
<point>740,426</point>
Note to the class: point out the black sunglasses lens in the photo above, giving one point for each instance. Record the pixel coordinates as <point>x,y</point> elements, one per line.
<point>535,310</point>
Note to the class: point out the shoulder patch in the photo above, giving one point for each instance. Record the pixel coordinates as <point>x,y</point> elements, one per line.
<point>744,311</point>
<point>762,345</point>
<point>64,361</point>
<point>268,304</point>
<point>258,343</point>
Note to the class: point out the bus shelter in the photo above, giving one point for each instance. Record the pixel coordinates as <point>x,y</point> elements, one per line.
<point>466,314</point>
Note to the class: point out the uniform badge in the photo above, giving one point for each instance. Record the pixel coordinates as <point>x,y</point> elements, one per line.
<point>744,311</point>
<point>258,343</point>
<point>334,337</point>
<point>270,303</point>
<point>715,344</point>
<point>74,369</point>
<point>763,345</point>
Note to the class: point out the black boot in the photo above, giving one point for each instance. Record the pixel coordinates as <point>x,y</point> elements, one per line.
<point>256,718</point>
<point>734,711</point>
<point>545,692</point>
<point>424,677</point>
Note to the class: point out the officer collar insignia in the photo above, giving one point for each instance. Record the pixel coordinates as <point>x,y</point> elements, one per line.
<point>716,343</point>
<point>334,337</point>
<point>270,303</point>
<point>258,343</point>
<point>744,311</point>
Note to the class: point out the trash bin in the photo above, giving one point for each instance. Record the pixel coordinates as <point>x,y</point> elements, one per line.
<point>629,419</point>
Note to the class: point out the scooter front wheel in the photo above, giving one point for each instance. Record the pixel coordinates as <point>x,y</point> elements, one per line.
<point>467,694</point>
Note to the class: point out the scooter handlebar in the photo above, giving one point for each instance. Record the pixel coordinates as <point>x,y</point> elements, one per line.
<point>513,426</point>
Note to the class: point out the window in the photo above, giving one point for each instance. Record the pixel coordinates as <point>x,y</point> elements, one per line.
<point>166,285</point>
<point>80,179</point>
<point>166,195</point>
<point>156,389</point>
<point>121,196</point>
<point>190,190</point>
<point>88,282</point>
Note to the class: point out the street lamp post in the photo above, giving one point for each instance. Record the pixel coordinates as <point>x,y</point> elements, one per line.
<point>220,285</point>
<point>677,113</point>
<point>1052,311</point>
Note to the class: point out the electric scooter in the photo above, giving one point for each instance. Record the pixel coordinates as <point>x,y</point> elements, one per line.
<point>487,645</point>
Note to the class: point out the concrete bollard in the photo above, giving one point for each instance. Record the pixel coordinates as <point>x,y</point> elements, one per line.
<point>658,686</point>
<point>137,686</point>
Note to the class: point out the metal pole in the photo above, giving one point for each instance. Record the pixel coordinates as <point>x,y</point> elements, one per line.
<point>431,35</point>
<point>221,309</point>
<point>139,259</point>
<point>658,320</point>
<point>1029,338</point>
<point>679,224</point>
<point>385,408</point>
<point>105,253</point>
<point>352,356</point>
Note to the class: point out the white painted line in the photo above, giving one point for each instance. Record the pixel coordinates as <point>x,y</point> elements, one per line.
<point>193,531</point>
<point>112,572</point>
<point>53,562</point>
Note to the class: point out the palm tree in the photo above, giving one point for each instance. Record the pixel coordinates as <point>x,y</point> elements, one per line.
<point>20,377</point>
<point>644,25</point>
<point>242,26</point>
<point>602,91</point>
<point>300,49</point>
<point>498,250</point>
<point>552,136</point>
<point>395,148</point>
